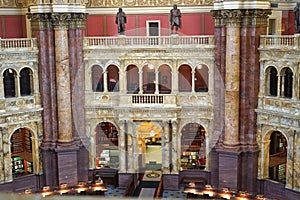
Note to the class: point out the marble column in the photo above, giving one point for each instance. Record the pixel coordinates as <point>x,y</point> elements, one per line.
<point>232,79</point>
<point>122,152</point>
<point>174,74</point>
<point>41,26</point>
<point>156,82</point>
<point>193,80</point>
<point>165,147</point>
<point>105,85</point>
<point>141,90</point>
<point>2,176</point>
<point>63,85</point>
<point>175,147</point>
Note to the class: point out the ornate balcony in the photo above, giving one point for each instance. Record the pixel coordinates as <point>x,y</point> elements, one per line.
<point>280,42</point>
<point>146,42</point>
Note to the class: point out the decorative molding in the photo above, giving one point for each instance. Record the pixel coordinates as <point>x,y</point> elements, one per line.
<point>46,21</point>
<point>242,17</point>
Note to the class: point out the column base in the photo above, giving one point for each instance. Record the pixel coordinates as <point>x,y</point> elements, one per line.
<point>237,170</point>
<point>171,182</point>
<point>67,165</point>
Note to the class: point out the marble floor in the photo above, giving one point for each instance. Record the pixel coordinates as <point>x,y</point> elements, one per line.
<point>167,194</point>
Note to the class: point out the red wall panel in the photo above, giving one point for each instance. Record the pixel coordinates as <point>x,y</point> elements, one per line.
<point>111,26</point>
<point>94,26</point>
<point>164,23</point>
<point>191,24</point>
<point>291,24</point>
<point>208,24</point>
<point>13,27</point>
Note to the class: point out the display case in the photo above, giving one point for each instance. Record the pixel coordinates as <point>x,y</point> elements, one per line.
<point>17,166</point>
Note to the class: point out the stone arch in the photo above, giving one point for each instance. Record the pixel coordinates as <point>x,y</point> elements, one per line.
<point>271,159</point>
<point>106,144</point>
<point>29,158</point>
<point>149,133</point>
<point>193,146</point>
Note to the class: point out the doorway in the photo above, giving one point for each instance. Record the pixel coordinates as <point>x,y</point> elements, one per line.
<point>150,146</point>
<point>153,30</point>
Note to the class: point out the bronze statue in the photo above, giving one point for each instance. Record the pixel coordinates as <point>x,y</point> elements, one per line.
<point>121,21</point>
<point>297,17</point>
<point>175,19</point>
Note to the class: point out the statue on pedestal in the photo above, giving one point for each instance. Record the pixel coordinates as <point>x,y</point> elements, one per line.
<point>175,19</point>
<point>121,21</point>
<point>297,17</point>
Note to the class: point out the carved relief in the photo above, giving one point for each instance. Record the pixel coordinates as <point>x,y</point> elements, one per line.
<point>107,3</point>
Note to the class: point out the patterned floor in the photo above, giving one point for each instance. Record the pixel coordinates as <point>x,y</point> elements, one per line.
<point>167,194</point>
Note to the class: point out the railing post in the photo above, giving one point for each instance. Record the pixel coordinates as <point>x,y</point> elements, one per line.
<point>296,41</point>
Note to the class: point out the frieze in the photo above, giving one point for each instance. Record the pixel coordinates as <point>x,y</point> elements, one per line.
<point>107,3</point>
<point>23,117</point>
<point>278,120</point>
<point>20,56</point>
<point>144,3</point>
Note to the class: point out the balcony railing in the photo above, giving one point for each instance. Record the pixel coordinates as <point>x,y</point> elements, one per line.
<point>148,41</point>
<point>18,44</point>
<point>280,41</point>
<point>148,99</point>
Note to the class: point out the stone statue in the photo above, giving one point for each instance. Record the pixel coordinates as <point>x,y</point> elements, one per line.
<point>121,21</point>
<point>175,19</point>
<point>297,17</point>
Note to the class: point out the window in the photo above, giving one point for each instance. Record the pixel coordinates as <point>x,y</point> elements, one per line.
<point>97,79</point>
<point>201,78</point>
<point>132,76</point>
<point>287,80</point>
<point>9,83</point>
<point>185,78</point>
<point>26,82</point>
<point>113,78</point>
<point>273,81</point>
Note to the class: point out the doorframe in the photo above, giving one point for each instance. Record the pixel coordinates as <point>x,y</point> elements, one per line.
<point>148,27</point>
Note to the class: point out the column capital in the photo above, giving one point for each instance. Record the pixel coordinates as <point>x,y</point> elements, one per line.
<point>256,17</point>
<point>40,21</point>
<point>61,20</point>
<point>244,17</point>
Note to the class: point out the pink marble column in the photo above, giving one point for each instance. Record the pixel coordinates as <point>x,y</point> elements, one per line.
<point>44,35</point>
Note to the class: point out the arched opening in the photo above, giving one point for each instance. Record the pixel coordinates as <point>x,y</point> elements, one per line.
<point>287,83</point>
<point>165,79</point>
<point>149,146</point>
<point>21,152</point>
<point>193,147</point>
<point>107,145</point>
<point>9,81</point>
<point>132,76</point>
<point>26,84</point>
<point>185,78</point>
<point>97,79</point>
<point>113,78</point>
<point>149,79</point>
<point>272,80</point>
<point>201,78</point>
<point>277,157</point>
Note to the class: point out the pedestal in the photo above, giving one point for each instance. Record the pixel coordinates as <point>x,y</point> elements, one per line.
<point>171,181</point>
<point>67,165</point>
